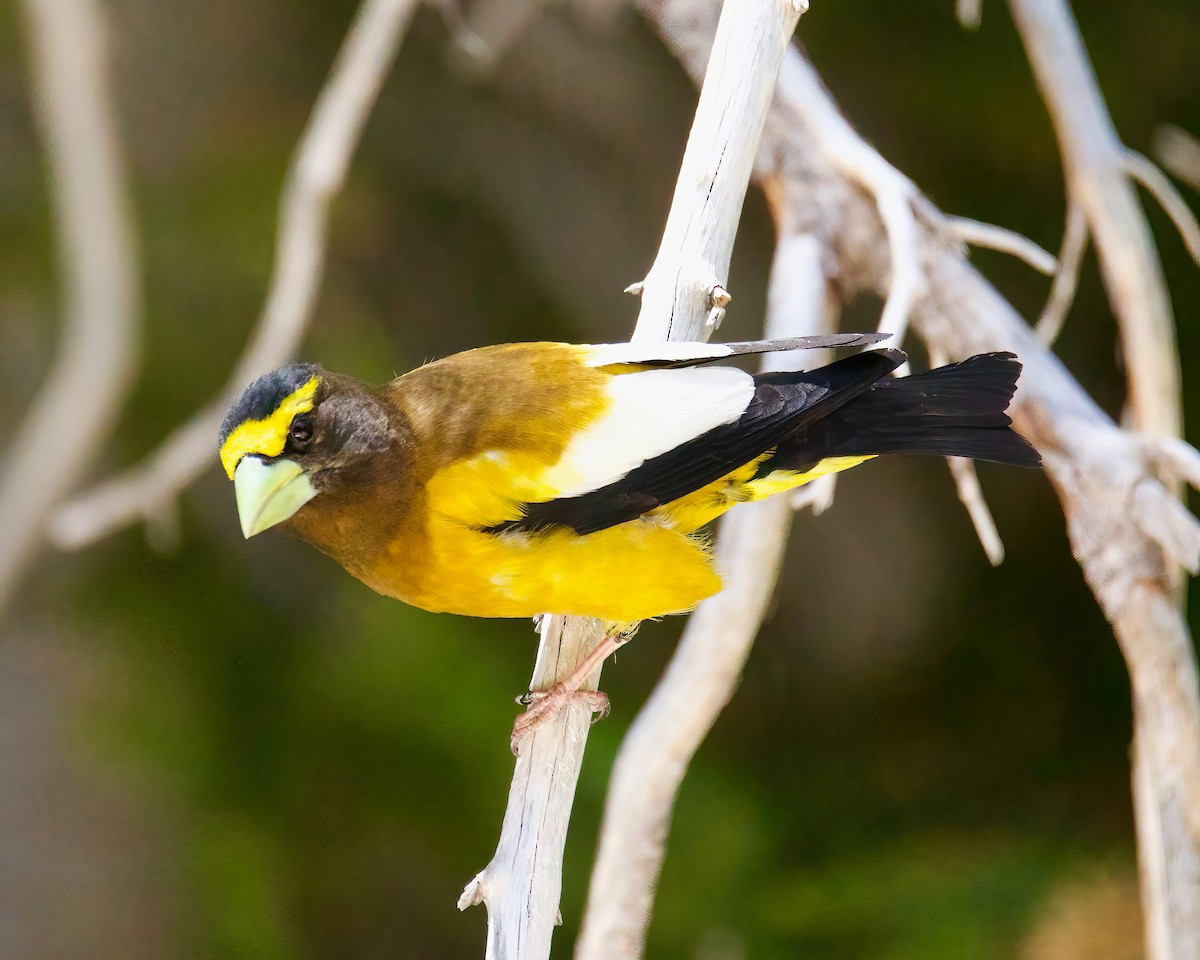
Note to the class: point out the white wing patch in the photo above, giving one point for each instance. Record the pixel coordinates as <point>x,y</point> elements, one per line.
<point>668,351</point>
<point>650,413</point>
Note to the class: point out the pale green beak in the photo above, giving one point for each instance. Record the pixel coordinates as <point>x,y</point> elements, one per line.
<point>269,493</point>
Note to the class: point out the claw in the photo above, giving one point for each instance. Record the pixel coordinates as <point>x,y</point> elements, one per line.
<point>544,706</point>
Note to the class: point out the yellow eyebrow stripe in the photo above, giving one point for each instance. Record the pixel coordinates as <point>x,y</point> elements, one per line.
<point>269,435</point>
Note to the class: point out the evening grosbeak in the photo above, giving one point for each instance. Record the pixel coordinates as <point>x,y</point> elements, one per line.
<point>513,480</point>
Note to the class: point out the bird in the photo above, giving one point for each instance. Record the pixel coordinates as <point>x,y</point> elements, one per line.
<point>524,478</point>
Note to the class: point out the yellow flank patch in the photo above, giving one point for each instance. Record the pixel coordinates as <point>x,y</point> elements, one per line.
<point>779,480</point>
<point>268,436</point>
<point>630,572</point>
<point>702,506</point>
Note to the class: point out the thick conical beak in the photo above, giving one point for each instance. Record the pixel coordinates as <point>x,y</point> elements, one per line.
<point>269,493</point>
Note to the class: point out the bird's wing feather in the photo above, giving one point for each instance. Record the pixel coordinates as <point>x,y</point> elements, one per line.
<point>574,431</point>
<point>647,415</point>
<point>654,470</point>
<point>682,353</point>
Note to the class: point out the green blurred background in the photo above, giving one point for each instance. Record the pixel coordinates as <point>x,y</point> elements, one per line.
<point>218,748</point>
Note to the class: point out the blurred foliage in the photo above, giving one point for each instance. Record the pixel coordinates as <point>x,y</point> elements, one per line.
<point>923,750</point>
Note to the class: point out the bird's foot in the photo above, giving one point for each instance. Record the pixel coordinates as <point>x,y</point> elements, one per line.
<point>544,705</point>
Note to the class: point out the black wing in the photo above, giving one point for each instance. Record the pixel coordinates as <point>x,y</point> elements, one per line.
<point>783,403</point>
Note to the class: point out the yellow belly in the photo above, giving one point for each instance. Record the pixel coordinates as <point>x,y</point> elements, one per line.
<point>627,573</point>
<point>634,571</point>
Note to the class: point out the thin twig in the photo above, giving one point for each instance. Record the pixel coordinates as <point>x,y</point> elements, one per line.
<point>681,298</point>
<point>969,13</point>
<point>1177,459</point>
<point>976,233</point>
<point>492,28</point>
<point>1159,187</point>
<point>970,492</point>
<point>798,287</point>
<point>78,404</point>
<point>1179,152</point>
<point>1096,166</point>
<point>1066,280</point>
<point>319,166</point>
<point>894,196</point>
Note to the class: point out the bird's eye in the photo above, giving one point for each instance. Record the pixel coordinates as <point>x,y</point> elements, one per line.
<point>300,433</point>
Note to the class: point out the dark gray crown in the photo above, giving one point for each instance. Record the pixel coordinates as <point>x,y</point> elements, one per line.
<point>265,394</point>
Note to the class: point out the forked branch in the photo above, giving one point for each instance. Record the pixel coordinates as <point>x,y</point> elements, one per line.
<point>78,404</point>
<point>318,171</point>
<point>1123,533</point>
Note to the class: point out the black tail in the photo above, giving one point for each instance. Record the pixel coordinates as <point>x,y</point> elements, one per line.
<point>953,411</point>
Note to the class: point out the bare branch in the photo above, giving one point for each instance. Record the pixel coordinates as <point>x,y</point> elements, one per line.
<point>466,39</point>
<point>704,670</point>
<point>798,287</point>
<point>966,481</point>
<point>894,197</point>
<point>969,13</point>
<point>1096,166</point>
<point>1179,152</point>
<point>1066,280</point>
<point>318,171</point>
<point>970,493</point>
<point>83,391</point>
<point>816,496</point>
<point>522,884</point>
<point>1145,613</point>
<point>1177,459</point>
<point>894,194</point>
<point>693,259</point>
<point>659,746</point>
<point>979,234</point>
<point>1156,182</point>
<point>492,28</point>
<point>1095,466</point>
<point>681,298</point>
<point>1167,521</point>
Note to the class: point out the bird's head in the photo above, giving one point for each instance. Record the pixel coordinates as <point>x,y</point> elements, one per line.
<point>294,434</point>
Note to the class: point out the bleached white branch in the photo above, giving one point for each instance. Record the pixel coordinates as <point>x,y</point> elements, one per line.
<point>688,278</point>
<point>681,298</point>
<point>799,286</point>
<point>1095,466</point>
<point>74,412</point>
<point>522,884</point>
<point>319,166</point>
<point>1179,460</point>
<point>1145,614</point>
<point>979,234</point>
<point>491,28</point>
<point>1179,152</point>
<point>459,26</point>
<point>1066,279</point>
<point>969,13</point>
<point>893,194</point>
<point>1156,182</point>
<point>1096,167</point>
<point>970,492</point>
<point>704,670</point>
